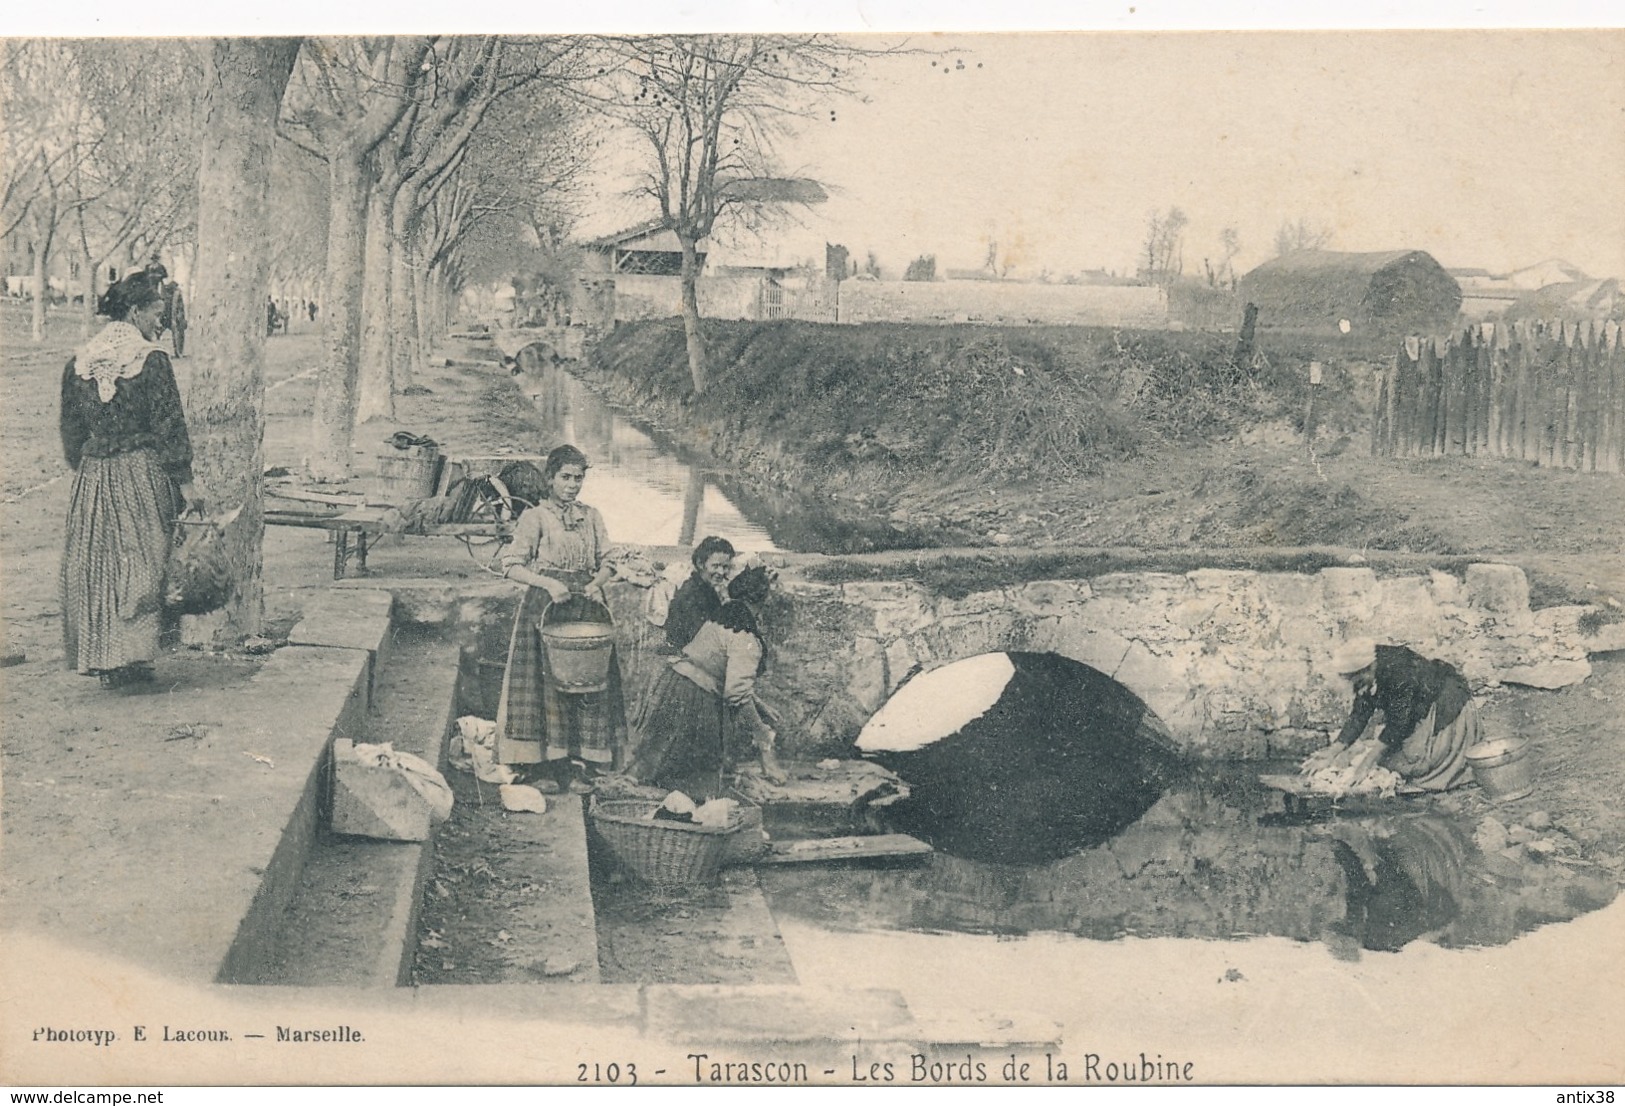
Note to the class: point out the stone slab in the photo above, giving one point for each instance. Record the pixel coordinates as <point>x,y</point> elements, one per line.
<point>330,686</point>
<point>210,814</point>
<point>354,919</point>
<point>347,619</point>
<point>722,1014</point>
<point>369,801</point>
<point>1548,675</point>
<point>576,1004</point>
<point>565,925</point>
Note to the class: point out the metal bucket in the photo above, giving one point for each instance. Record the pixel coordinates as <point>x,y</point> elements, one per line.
<point>578,655</point>
<point>1503,768</point>
<point>407,474</point>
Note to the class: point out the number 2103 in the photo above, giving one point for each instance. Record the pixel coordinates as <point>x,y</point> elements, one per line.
<point>607,1073</point>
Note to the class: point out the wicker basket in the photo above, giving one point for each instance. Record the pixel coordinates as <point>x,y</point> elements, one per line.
<point>661,851</point>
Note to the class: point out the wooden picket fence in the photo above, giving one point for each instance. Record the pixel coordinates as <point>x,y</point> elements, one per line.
<point>1548,392</point>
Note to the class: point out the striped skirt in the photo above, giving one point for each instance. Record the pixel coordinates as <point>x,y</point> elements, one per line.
<point>685,736</point>
<point>121,521</point>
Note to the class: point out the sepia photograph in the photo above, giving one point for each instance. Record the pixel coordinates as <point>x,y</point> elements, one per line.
<point>710,557</point>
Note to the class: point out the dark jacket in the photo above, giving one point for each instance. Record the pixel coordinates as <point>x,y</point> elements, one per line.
<point>1408,685</point>
<point>145,413</point>
<point>694,603</point>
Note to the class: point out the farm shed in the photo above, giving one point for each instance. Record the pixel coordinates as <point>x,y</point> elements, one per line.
<point>647,249</point>
<point>1394,290</point>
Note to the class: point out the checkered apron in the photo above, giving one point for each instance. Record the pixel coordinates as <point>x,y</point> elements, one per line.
<point>121,518</point>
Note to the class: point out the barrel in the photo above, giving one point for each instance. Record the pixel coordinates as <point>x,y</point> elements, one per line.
<point>1503,768</point>
<point>406,474</point>
<point>578,655</point>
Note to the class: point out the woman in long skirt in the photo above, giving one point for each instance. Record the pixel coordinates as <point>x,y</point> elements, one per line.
<point>701,715</point>
<point>124,435</point>
<point>558,551</point>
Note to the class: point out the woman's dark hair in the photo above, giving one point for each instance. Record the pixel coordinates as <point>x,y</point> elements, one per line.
<point>751,585</point>
<point>710,547</point>
<point>137,289</point>
<point>560,456</point>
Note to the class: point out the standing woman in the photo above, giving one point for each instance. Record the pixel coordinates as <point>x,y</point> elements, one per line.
<point>558,552</point>
<point>124,435</point>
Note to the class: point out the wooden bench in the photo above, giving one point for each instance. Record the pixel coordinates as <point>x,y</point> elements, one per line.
<point>350,516</point>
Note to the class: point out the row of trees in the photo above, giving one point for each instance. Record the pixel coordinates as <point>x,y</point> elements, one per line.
<point>399,169</point>
<point>1162,256</point>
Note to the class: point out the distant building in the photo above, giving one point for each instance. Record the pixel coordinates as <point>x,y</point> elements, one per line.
<point>1394,290</point>
<point>1544,273</point>
<point>1575,300</point>
<point>648,249</point>
<point>1550,289</point>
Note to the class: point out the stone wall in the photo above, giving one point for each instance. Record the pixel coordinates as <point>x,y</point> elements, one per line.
<point>1232,662</point>
<point>1002,303</point>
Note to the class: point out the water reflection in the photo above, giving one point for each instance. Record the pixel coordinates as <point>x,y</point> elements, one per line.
<point>652,492</point>
<point>647,493</point>
<point>1401,879</point>
<point>1205,861</point>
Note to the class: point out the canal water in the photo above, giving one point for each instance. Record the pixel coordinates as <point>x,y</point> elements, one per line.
<point>1199,854</point>
<point>1216,858</point>
<point>652,491</point>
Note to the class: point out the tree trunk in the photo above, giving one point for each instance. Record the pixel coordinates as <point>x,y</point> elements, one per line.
<point>691,313</point>
<point>422,299</point>
<point>226,394</point>
<point>377,393</point>
<point>87,310</point>
<point>403,314</point>
<point>333,421</point>
<point>36,315</point>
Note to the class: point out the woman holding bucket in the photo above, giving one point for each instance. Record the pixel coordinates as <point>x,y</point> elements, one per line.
<point>558,552</point>
<point>1428,718</point>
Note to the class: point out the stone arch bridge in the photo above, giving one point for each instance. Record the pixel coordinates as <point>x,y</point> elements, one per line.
<point>1232,662</point>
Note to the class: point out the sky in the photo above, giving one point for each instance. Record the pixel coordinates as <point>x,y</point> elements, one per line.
<point>1491,149</point>
<point>1488,148</point>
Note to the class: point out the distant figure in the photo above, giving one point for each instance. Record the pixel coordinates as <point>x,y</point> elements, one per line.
<point>272,316</point>
<point>312,307</point>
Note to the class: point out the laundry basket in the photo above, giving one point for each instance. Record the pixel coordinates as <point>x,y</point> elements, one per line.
<point>661,851</point>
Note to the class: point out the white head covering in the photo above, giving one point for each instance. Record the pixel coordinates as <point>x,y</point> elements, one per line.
<point>1353,655</point>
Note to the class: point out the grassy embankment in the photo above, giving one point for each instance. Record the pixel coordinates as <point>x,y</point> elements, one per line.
<point>876,415</point>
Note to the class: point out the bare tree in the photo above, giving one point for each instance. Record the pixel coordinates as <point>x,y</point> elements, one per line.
<point>346,95</point>
<point>49,131</point>
<point>136,189</point>
<point>1229,249</point>
<point>1164,256</point>
<point>226,396</point>
<point>709,109</point>
<point>1301,234</point>
<point>503,205</point>
<point>460,83</point>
